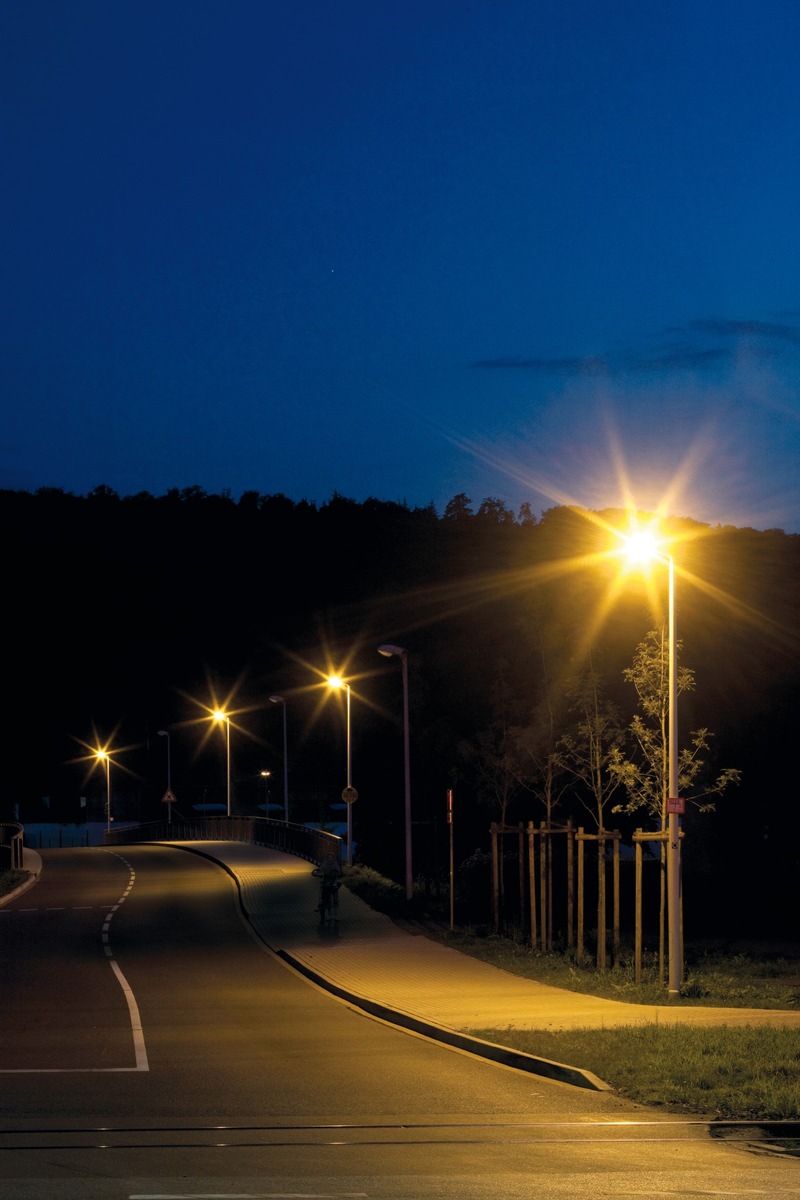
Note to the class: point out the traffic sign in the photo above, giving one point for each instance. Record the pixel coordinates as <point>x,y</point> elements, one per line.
<point>349,795</point>
<point>676,804</point>
<point>168,797</point>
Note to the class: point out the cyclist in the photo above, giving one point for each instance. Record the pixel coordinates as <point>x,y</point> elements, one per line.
<point>329,874</point>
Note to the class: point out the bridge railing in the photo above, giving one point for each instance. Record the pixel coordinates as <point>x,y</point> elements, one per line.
<point>311,844</point>
<point>11,840</point>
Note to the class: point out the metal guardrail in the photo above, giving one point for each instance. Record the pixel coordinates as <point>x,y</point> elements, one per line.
<point>311,844</point>
<point>11,843</point>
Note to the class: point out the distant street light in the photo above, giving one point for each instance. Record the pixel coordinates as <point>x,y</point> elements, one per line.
<point>105,758</point>
<point>165,733</point>
<point>388,651</point>
<point>220,716</point>
<point>281,700</point>
<point>349,794</point>
<point>265,775</point>
<point>643,547</point>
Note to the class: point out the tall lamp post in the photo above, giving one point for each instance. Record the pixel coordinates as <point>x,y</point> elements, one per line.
<point>643,548</point>
<point>220,716</point>
<point>165,733</point>
<point>673,803</point>
<point>349,795</point>
<point>105,758</point>
<point>282,701</point>
<point>389,651</point>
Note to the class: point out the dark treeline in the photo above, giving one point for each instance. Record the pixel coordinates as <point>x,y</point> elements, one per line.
<point>126,616</point>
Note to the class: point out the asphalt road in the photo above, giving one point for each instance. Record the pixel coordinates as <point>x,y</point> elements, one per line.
<point>153,1047</point>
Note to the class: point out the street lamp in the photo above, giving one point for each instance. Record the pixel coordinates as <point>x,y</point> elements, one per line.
<point>265,775</point>
<point>643,547</point>
<point>165,733</point>
<point>105,758</point>
<point>219,716</point>
<point>281,700</point>
<point>349,794</point>
<point>388,651</point>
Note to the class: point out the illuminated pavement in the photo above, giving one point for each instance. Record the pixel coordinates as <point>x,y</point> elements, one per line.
<point>400,974</point>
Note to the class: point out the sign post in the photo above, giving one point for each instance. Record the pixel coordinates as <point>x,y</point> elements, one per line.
<point>169,799</point>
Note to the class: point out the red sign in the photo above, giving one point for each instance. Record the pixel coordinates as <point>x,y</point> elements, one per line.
<point>168,797</point>
<point>676,804</point>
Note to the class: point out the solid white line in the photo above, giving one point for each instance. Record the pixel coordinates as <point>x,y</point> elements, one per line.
<point>136,1022</point>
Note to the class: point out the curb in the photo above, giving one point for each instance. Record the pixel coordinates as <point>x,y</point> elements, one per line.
<point>32,863</point>
<point>505,1055</point>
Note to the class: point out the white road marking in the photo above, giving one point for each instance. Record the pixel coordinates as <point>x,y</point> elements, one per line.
<point>140,1051</point>
<point>136,1021</point>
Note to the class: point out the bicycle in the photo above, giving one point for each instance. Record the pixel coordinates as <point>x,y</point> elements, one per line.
<point>328,907</point>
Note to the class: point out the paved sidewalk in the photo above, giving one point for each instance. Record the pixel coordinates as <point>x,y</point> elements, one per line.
<point>413,981</point>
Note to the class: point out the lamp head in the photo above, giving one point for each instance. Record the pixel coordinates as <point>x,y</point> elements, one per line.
<point>387,650</point>
<point>276,700</point>
<point>642,546</point>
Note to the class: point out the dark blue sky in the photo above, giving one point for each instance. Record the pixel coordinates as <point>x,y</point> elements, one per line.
<point>542,251</point>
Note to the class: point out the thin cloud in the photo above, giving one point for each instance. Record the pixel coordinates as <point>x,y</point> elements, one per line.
<point>759,329</point>
<point>560,366</point>
<point>682,358</point>
<point>688,355</point>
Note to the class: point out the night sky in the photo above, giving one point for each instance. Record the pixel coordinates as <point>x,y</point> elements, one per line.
<point>538,250</point>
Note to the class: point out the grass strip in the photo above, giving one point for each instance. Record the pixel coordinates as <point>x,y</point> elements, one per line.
<point>742,1073</point>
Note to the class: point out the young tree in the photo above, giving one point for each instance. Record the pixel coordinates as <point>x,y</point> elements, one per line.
<point>645,776</point>
<point>587,751</point>
<point>541,773</point>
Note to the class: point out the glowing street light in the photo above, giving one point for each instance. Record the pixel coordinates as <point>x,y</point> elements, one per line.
<point>105,758</point>
<point>389,651</point>
<point>282,701</point>
<point>219,716</point>
<point>643,547</point>
<point>349,794</point>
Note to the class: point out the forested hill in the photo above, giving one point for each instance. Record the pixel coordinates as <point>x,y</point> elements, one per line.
<point>129,615</point>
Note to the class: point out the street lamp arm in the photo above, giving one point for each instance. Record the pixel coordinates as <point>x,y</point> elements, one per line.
<point>387,650</point>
